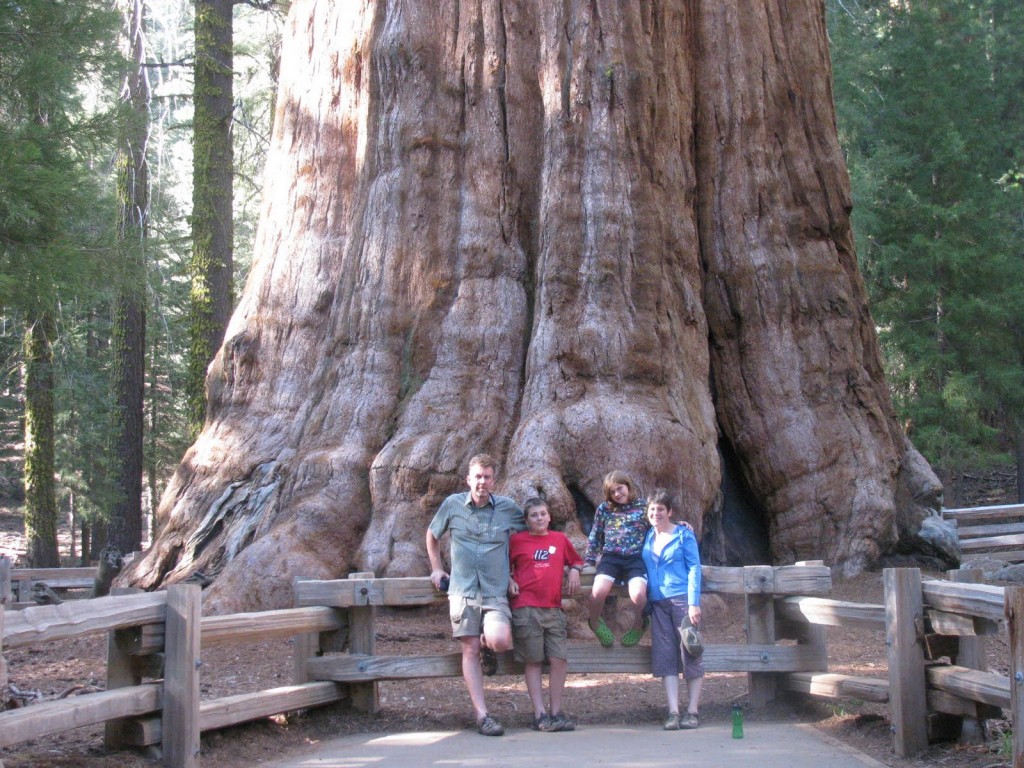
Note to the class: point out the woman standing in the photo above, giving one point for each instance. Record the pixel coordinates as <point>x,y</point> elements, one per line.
<point>673,576</point>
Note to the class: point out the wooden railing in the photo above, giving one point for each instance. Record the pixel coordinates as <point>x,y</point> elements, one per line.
<point>16,583</point>
<point>934,633</point>
<point>996,531</point>
<point>155,642</point>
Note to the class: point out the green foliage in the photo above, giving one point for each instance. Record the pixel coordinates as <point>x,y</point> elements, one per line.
<point>56,59</point>
<point>933,135</point>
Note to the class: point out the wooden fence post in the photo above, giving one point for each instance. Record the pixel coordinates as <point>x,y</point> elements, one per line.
<point>6,600</point>
<point>759,584</point>
<point>3,661</point>
<point>813,634</point>
<point>1013,602</point>
<point>180,722</point>
<point>970,654</point>
<point>363,639</point>
<point>6,592</point>
<point>119,675</point>
<point>304,647</point>
<point>904,616</point>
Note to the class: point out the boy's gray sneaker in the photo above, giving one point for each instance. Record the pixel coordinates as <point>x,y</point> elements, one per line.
<point>488,726</point>
<point>689,721</point>
<point>543,723</point>
<point>560,722</point>
<point>672,722</point>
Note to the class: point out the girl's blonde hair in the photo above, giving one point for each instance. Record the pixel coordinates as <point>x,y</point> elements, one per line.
<point>618,477</point>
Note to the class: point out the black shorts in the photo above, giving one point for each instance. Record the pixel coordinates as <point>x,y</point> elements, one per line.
<point>622,568</point>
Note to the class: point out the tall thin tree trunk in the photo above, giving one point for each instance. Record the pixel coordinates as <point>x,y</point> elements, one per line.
<point>212,190</point>
<point>129,331</point>
<point>40,491</point>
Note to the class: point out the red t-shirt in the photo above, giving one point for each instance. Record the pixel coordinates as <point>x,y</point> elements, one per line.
<point>537,566</point>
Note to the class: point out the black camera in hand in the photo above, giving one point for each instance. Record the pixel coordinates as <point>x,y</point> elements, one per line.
<point>442,584</point>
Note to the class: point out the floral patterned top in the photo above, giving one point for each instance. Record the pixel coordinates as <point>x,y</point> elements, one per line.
<point>618,530</point>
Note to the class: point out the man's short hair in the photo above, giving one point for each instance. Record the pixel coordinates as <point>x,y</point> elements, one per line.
<point>484,461</point>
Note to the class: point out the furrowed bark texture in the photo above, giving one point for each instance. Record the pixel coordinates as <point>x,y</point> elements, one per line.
<point>578,236</point>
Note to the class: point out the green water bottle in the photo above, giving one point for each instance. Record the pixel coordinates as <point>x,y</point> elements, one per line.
<point>737,721</point>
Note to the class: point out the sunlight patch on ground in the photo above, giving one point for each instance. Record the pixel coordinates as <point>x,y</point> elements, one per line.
<point>414,739</point>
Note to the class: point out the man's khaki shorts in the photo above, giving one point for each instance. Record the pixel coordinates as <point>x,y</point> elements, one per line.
<point>469,614</point>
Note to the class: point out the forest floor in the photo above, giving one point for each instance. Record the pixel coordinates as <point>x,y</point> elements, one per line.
<point>68,668</point>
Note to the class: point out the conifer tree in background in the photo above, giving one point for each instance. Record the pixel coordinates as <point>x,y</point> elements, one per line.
<point>212,197</point>
<point>129,331</point>
<point>932,131</point>
<point>51,207</point>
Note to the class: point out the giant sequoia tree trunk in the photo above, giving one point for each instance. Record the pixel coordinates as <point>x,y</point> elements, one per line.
<point>577,235</point>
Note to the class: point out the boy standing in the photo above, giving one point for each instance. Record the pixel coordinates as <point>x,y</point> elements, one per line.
<point>538,558</point>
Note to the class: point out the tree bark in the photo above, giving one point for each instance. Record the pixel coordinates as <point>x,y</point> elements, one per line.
<point>578,236</point>
<point>129,330</point>
<point>40,463</point>
<point>211,270</point>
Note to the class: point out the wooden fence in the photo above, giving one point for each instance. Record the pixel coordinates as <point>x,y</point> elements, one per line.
<point>155,640</point>
<point>16,583</point>
<point>996,531</point>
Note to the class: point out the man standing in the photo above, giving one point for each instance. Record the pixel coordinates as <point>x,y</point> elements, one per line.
<point>480,523</point>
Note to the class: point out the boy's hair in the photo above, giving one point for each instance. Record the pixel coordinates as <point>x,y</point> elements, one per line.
<point>484,461</point>
<point>618,477</point>
<point>534,501</point>
<point>663,497</point>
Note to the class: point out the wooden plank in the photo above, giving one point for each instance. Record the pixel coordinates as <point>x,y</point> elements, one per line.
<point>907,701</point>
<point>362,641</point>
<point>582,659</point>
<point>347,593</point>
<point>6,590</point>
<point>18,725</point>
<point>982,600</point>
<point>984,513</point>
<point>991,542</point>
<point>120,674</point>
<point>951,704</point>
<point>232,710</point>
<point>141,731</point>
<point>180,727</point>
<point>1009,556</point>
<point>986,687</point>
<point>1015,629</point>
<point>996,529</point>
<point>970,654</point>
<point>832,613</point>
<point>418,590</point>
<point>49,574</point>
<point>141,640</point>
<point>261,625</point>
<point>3,661</point>
<point>835,686</point>
<point>243,707</point>
<point>46,623</point>
<point>759,583</point>
<point>960,625</point>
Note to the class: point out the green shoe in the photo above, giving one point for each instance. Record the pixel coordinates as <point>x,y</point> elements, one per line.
<point>632,637</point>
<point>604,635</point>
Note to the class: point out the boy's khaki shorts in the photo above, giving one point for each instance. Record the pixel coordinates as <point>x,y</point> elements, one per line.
<point>538,634</point>
<point>469,614</point>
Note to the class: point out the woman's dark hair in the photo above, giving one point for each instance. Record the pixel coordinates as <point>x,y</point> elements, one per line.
<point>663,497</point>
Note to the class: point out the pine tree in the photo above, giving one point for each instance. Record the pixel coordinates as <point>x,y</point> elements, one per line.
<point>51,205</point>
<point>924,122</point>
